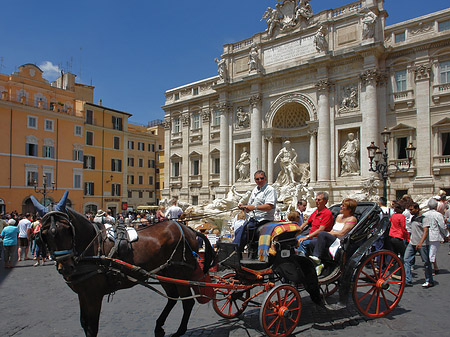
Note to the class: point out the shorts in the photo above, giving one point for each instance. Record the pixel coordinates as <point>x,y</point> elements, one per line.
<point>23,242</point>
<point>434,245</point>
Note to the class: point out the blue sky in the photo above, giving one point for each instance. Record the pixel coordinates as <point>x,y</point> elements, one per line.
<point>133,51</point>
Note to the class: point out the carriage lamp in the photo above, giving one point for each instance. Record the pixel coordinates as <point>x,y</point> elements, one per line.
<point>46,189</point>
<point>379,159</point>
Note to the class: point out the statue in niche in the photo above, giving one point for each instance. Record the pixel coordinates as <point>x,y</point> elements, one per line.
<point>243,166</point>
<point>368,22</point>
<point>221,68</point>
<point>303,10</point>
<point>243,118</point>
<point>288,164</point>
<point>272,17</point>
<point>349,156</point>
<point>349,100</point>
<point>319,40</point>
<point>253,58</point>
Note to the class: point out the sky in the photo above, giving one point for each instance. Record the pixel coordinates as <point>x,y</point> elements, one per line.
<point>133,51</point>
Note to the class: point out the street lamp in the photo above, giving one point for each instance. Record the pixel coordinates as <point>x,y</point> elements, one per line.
<point>46,189</point>
<point>381,166</point>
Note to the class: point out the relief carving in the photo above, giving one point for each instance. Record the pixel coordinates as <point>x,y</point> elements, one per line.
<point>349,98</point>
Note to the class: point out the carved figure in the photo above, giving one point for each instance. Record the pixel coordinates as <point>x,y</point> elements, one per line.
<point>221,68</point>
<point>291,171</point>
<point>243,166</point>
<point>243,118</point>
<point>272,17</point>
<point>253,58</point>
<point>350,101</point>
<point>349,155</point>
<point>303,10</point>
<point>368,22</point>
<point>319,40</point>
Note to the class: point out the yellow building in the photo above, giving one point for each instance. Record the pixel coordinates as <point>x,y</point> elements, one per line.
<point>42,134</point>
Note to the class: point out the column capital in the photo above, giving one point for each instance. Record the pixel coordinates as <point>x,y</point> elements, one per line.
<point>206,115</point>
<point>167,124</point>
<point>324,85</point>
<point>254,100</point>
<point>382,79</point>
<point>269,138</point>
<point>185,119</point>
<point>370,77</point>
<point>312,133</point>
<point>422,72</point>
<point>224,107</point>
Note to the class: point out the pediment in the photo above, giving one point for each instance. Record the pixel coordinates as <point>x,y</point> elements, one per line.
<point>401,127</point>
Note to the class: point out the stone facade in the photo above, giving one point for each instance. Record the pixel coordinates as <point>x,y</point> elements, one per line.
<point>317,78</point>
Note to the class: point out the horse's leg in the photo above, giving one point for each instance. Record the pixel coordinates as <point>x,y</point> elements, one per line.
<point>171,291</point>
<point>187,309</point>
<point>90,307</point>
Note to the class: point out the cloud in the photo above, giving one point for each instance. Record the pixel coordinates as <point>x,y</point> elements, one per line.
<point>51,71</point>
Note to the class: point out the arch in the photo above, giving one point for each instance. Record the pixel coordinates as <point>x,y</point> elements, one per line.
<point>285,102</point>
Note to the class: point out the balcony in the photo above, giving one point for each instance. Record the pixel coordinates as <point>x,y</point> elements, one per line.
<point>42,105</point>
<point>195,180</point>
<point>439,91</point>
<point>402,164</point>
<point>214,179</point>
<point>402,98</point>
<point>176,182</point>
<point>440,163</point>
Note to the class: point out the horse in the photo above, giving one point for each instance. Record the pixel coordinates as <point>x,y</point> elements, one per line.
<point>166,248</point>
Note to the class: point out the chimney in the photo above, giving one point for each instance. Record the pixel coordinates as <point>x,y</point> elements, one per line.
<point>100,102</point>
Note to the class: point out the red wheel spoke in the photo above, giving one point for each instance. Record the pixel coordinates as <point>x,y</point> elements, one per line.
<point>369,276</point>
<point>386,300</point>
<point>366,294</point>
<point>371,299</point>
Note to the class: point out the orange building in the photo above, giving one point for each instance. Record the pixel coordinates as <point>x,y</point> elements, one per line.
<point>42,134</point>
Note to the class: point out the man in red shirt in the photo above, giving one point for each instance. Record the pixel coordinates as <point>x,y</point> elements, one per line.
<point>320,220</point>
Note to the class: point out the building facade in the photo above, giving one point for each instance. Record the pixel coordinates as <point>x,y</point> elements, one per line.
<point>329,83</point>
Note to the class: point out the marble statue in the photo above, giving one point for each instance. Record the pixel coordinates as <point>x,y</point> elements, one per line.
<point>349,155</point>
<point>303,10</point>
<point>221,68</point>
<point>291,171</point>
<point>253,58</point>
<point>272,17</point>
<point>243,166</point>
<point>319,40</point>
<point>350,100</point>
<point>368,22</point>
<point>242,117</point>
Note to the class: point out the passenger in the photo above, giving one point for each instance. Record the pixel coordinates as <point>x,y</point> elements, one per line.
<point>239,221</point>
<point>294,217</point>
<point>320,220</point>
<point>301,208</point>
<point>397,233</point>
<point>344,223</point>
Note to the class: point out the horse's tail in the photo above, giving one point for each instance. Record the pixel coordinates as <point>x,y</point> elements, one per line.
<point>210,254</point>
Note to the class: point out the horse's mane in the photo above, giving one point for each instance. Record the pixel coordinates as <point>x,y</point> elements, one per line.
<point>78,217</point>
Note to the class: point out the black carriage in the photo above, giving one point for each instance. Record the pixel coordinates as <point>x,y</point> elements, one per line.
<point>376,280</point>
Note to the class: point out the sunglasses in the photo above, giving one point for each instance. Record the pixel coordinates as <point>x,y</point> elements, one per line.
<point>258,179</point>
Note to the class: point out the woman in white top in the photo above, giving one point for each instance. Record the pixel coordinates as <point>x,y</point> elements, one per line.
<point>343,224</point>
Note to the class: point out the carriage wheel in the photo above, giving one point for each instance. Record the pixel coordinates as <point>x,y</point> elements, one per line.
<point>280,312</point>
<point>229,303</point>
<point>379,284</point>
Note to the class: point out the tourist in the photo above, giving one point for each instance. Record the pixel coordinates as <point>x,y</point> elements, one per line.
<point>160,213</point>
<point>294,217</point>
<point>9,235</point>
<point>174,211</point>
<point>24,227</point>
<point>40,249</point>
<point>437,233</point>
<point>301,208</point>
<point>395,241</point>
<point>239,221</point>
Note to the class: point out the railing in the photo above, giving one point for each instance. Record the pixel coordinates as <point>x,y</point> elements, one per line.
<point>439,91</point>
<point>441,160</point>
<point>27,101</point>
<point>353,7</point>
<point>406,96</point>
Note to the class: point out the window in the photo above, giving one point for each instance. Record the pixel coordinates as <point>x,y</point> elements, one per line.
<point>117,123</point>
<point>140,180</point>
<point>157,185</point>
<point>130,162</point>
<point>150,180</point>
<point>216,118</point>
<point>445,143</point>
<point>216,165</point>
<point>116,143</point>
<point>89,117</point>
<point>48,125</point>
<point>159,147</point>
<point>48,151</point>
<point>400,37</point>
<point>32,122</point>
<point>31,150</point>
<point>78,155</point>
<point>76,180</point>
<point>89,138</point>
<point>157,170</point>
<point>176,125</point>
<point>151,163</point>
<point>130,179</point>
<point>195,91</point>
<point>196,121</point>
<point>196,167</point>
<point>88,188</point>
<point>32,176</point>
<point>141,162</point>
<point>177,96</point>
<point>151,147</point>
<point>150,194</point>
<point>89,162</point>
<point>141,194</point>
<point>130,194</point>
<point>444,72</point>
<point>130,145</point>
<point>400,80</point>
<point>116,165</point>
<point>115,190</point>
<point>141,146</point>
<point>444,25</point>
<point>48,177</point>
<point>195,200</point>
<point>78,130</point>
<point>402,143</point>
<point>176,169</point>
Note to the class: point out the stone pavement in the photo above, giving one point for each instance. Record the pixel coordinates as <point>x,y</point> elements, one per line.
<point>35,301</point>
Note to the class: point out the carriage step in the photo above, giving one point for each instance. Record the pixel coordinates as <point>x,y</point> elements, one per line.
<point>254,264</point>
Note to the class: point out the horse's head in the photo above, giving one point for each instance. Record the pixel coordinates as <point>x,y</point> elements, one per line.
<point>58,234</point>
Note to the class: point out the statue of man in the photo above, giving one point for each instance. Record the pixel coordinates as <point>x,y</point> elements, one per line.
<point>221,68</point>
<point>368,22</point>
<point>288,164</point>
<point>243,166</point>
<point>253,58</point>
<point>349,155</point>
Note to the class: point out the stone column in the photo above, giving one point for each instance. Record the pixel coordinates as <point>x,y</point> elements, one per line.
<point>167,166</point>
<point>313,155</point>
<point>270,159</point>
<point>369,109</point>
<point>224,140</point>
<point>323,132</point>
<point>256,134</point>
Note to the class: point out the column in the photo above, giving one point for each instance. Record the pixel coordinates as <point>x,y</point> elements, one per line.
<point>167,150</point>
<point>270,159</point>
<point>256,135</point>
<point>369,110</point>
<point>313,155</point>
<point>323,132</point>
<point>224,140</point>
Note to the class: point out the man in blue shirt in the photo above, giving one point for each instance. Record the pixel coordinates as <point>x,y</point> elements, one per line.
<point>9,235</point>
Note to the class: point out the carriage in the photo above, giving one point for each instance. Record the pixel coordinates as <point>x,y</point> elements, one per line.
<point>376,280</point>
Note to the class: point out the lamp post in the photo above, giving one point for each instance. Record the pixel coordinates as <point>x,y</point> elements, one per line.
<point>46,189</point>
<point>379,159</point>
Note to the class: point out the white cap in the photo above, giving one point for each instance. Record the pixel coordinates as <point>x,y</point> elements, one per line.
<point>437,197</point>
<point>11,222</point>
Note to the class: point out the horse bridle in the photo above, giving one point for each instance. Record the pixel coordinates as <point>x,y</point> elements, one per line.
<point>49,221</point>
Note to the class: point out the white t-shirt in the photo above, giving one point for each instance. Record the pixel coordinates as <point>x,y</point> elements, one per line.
<point>174,212</point>
<point>23,226</point>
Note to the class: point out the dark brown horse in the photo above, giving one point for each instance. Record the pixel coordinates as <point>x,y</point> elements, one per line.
<point>165,246</point>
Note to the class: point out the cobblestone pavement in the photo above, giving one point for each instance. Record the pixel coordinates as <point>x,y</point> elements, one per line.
<point>35,301</point>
